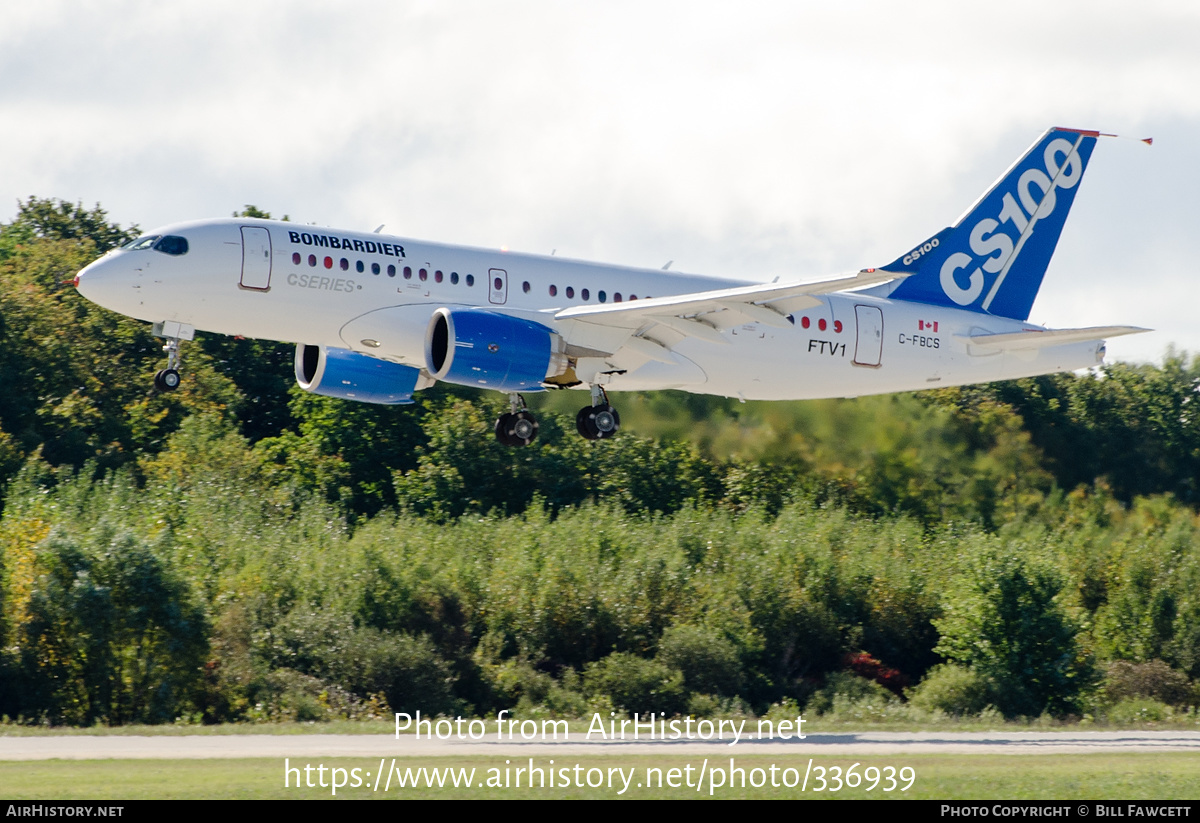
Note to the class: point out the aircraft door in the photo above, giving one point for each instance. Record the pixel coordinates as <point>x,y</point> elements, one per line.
<point>256,258</point>
<point>497,285</point>
<point>869,347</point>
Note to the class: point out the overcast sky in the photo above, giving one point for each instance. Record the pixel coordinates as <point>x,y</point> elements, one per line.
<point>751,140</point>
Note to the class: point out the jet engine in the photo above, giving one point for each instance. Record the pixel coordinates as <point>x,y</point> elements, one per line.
<point>486,349</point>
<point>352,376</point>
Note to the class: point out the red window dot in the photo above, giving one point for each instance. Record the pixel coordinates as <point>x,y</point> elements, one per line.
<point>295,258</point>
<point>837,326</point>
<point>805,322</point>
<point>329,262</point>
<point>821,324</point>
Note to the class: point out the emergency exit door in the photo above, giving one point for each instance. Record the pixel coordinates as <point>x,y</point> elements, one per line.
<point>869,347</point>
<point>256,258</point>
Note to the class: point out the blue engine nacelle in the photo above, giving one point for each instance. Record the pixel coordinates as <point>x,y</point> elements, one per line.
<point>352,376</point>
<point>486,349</point>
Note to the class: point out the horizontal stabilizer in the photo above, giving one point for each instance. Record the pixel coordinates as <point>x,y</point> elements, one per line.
<point>1040,338</point>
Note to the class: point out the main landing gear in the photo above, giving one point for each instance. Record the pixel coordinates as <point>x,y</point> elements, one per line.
<point>519,427</point>
<point>599,420</point>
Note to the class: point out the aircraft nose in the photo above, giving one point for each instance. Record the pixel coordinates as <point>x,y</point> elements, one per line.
<point>102,281</point>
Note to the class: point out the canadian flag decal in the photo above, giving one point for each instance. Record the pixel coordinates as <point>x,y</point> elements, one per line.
<point>925,325</point>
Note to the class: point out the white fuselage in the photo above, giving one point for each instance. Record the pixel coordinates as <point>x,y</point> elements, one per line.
<point>375,294</point>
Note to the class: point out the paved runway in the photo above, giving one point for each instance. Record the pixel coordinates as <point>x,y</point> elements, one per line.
<point>96,747</point>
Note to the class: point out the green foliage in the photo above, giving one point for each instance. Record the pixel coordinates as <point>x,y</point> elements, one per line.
<point>60,220</point>
<point>1005,620</point>
<point>708,661</point>
<point>636,684</point>
<point>315,558</point>
<point>844,689</point>
<point>1154,679</point>
<point>954,690</point>
<point>112,634</point>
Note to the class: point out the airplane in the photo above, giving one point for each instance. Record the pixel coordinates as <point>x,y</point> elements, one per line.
<point>377,318</point>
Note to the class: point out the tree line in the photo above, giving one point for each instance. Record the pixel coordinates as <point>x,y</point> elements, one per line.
<point>241,550</point>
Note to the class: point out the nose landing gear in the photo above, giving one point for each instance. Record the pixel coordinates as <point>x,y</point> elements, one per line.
<point>168,379</point>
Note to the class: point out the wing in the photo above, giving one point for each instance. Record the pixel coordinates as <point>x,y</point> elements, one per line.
<point>648,328</point>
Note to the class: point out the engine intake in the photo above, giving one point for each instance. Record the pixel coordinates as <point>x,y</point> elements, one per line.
<point>477,347</point>
<point>352,376</point>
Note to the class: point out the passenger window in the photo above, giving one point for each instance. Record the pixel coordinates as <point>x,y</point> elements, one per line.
<point>295,258</point>
<point>470,280</point>
<point>391,270</point>
<point>358,267</point>
<point>375,268</point>
<point>437,276</point>
<point>601,296</point>
<point>454,278</point>
<point>584,294</point>
<point>553,290</point>
<point>570,292</point>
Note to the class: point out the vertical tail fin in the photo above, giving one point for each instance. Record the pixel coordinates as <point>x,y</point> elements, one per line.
<point>992,260</point>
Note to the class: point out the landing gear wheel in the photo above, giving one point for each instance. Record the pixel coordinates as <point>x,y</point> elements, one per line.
<point>166,380</point>
<point>516,428</point>
<point>597,422</point>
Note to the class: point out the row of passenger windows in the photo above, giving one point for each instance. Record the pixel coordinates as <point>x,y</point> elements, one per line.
<point>438,277</point>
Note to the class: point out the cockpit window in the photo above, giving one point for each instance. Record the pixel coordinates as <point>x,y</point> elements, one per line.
<point>142,242</point>
<point>172,244</point>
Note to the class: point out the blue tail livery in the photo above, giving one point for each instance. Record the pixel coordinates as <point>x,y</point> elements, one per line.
<point>993,258</point>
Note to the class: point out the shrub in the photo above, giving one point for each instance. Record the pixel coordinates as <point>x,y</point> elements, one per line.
<point>866,666</point>
<point>1153,679</point>
<point>708,661</point>
<point>955,690</point>
<point>1137,710</point>
<point>636,684</point>
<point>1003,618</point>
<point>847,687</point>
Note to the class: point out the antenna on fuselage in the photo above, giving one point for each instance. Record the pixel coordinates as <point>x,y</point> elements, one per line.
<point>667,265</point>
<point>378,230</point>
